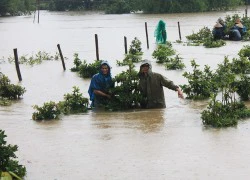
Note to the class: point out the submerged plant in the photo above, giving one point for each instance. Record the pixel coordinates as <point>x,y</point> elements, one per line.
<point>200,83</point>
<point>38,58</point>
<point>243,87</point>
<point>245,52</point>
<point>162,52</point>
<point>175,63</point>
<point>48,111</point>
<point>84,69</point>
<point>9,166</point>
<point>200,36</point>
<point>126,94</point>
<point>135,47</point>
<point>8,90</point>
<point>211,43</point>
<point>74,103</point>
<point>219,114</point>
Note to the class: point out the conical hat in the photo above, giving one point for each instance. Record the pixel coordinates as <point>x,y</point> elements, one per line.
<point>218,25</point>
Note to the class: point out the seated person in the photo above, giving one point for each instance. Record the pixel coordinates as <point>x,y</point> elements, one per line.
<point>218,31</point>
<point>237,31</point>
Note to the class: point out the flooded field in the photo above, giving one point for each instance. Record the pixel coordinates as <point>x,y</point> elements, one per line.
<point>160,144</point>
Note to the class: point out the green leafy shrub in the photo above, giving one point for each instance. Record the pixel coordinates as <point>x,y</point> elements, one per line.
<point>77,63</point>
<point>84,69</point>
<point>175,63</point>
<point>200,83</point>
<point>8,90</point>
<point>228,111</point>
<point>48,111</point>
<point>126,94</point>
<point>240,65</point>
<point>135,47</point>
<point>74,103</point>
<point>223,115</point>
<point>243,87</point>
<point>200,36</point>
<point>245,52</point>
<point>162,52</point>
<point>8,162</point>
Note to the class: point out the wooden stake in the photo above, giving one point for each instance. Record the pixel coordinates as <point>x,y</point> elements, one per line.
<point>125,45</point>
<point>61,55</point>
<point>146,29</point>
<point>17,65</point>
<point>179,30</point>
<point>96,46</point>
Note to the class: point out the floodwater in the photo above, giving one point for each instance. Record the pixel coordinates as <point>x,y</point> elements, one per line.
<point>169,143</point>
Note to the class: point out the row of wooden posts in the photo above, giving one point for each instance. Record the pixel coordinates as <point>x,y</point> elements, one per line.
<point>97,50</point>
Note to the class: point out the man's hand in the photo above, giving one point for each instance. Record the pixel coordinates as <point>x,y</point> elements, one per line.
<point>180,93</point>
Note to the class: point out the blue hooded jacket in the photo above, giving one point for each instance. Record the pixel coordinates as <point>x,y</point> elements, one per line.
<point>100,82</point>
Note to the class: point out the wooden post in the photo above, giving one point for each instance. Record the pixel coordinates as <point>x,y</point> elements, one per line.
<point>179,30</point>
<point>38,7</point>
<point>146,29</point>
<point>17,65</point>
<point>125,44</point>
<point>61,55</point>
<point>96,46</point>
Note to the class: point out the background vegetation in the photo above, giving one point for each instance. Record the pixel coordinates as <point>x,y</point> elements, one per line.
<point>18,7</point>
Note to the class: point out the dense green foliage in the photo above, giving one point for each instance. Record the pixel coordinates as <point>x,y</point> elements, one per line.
<point>8,90</point>
<point>72,103</point>
<point>218,114</point>
<point>179,6</point>
<point>200,83</point>
<point>162,52</point>
<point>84,69</point>
<point>127,6</point>
<point>16,7</point>
<point>174,63</point>
<point>48,111</point>
<point>126,94</point>
<point>8,162</point>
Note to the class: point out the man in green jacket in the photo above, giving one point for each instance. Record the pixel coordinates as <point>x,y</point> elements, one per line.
<point>151,86</point>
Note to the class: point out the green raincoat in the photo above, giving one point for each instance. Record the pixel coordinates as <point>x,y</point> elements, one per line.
<point>151,87</point>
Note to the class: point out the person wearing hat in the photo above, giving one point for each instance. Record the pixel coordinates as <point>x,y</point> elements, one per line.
<point>100,85</point>
<point>218,31</point>
<point>151,86</point>
<point>237,31</point>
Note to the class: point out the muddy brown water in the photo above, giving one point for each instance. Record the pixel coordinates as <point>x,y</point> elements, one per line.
<point>169,143</point>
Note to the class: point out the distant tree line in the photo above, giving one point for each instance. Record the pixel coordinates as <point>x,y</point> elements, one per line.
<point>17,7</point>
<point>147,6</point>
